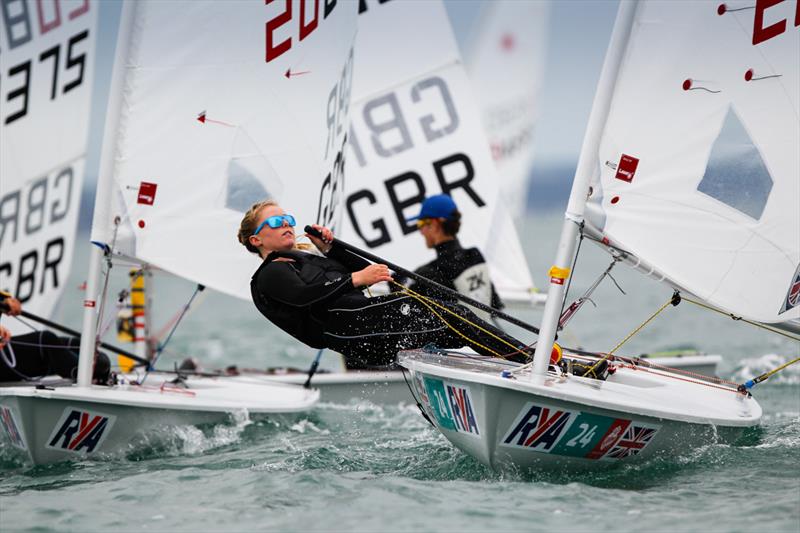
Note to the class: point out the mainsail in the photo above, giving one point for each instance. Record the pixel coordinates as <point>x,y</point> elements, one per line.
<point>698,170</point>
<point>505,63</point>
<point>415,132</point>
<point>47,70</point>
<point>217,116</point>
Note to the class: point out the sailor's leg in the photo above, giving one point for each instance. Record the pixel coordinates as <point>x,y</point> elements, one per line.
<point>370,332</point>
<point>25,357</point>
<point>483,337</point>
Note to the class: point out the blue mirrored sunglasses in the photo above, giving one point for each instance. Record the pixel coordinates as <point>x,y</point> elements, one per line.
<point>275,222</point>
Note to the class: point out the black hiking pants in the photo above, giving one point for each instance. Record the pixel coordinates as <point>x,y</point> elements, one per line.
<point>43,353</point>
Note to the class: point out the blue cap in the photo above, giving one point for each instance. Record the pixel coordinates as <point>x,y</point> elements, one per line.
<point>439,206</point>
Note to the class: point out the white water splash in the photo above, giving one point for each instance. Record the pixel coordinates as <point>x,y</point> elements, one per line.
<point>193,441</point>
<point>303,425</point>
<point>755,366</point>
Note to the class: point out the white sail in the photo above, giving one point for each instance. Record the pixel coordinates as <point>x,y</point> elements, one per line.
<point>415,132</point>
<point>47,69</point>
<point>217,116</point>
<point>698,168</point>
<point>505,63</point>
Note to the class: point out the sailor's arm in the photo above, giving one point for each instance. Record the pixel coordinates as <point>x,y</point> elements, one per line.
<point>331,249</point>
<point>281,282</point>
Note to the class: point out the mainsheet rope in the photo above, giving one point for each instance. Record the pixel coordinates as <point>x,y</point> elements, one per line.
<point>430,303</point>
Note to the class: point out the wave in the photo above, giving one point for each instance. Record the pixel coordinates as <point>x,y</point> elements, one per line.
<point>755,366</point>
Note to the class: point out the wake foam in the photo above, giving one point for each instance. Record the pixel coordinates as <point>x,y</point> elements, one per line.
<point>755,366</point>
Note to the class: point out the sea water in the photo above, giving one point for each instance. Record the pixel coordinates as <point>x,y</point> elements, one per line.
<point>367,467</point>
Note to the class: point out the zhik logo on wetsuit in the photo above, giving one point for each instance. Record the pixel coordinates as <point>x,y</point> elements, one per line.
<point>331,282</point>
<point>80,431</point>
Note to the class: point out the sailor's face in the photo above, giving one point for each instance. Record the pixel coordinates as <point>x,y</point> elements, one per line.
<point>428,230</point>
<point>280,239</point>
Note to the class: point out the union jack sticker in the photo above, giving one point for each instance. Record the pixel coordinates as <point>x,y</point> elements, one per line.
<point>793,295</point>
<point>635,438</point>
<point>11,427</point>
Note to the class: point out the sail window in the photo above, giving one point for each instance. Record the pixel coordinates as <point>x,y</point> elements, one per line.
<point>736,174</point>
<point>245,184</point>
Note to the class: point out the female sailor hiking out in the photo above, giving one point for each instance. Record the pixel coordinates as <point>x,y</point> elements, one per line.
<point>319,300</point>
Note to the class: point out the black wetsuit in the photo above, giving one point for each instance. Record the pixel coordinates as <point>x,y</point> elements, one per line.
<point>313,299</point>
<point>460,269</point>
<point>42,353</point>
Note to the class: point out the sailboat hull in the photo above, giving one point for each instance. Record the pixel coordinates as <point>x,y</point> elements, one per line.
<point>382,387</point>
<point>73,423</point>
<point>569,422</point>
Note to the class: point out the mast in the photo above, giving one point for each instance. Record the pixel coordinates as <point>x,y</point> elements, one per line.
<point>101,223</point>
<point>580,185</point>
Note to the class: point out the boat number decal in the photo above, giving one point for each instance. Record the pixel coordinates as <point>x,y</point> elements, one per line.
<point>80,431</point>
<point>573,433</point>
<point>11,427</point>
<point>451,406</point>
<point>419,386</point>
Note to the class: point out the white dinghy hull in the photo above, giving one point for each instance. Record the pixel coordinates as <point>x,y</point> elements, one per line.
<point>388,387</point>
<point>567,421</point>
<point>381,387</point>
<point>73,423</point>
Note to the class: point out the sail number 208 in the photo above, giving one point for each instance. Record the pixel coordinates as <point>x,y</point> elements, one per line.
<point>306,21</point>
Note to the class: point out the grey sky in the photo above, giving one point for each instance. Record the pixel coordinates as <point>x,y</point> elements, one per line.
<point>578,36</point>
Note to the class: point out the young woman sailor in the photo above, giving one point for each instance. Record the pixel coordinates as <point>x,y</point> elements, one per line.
<point>319,300</point>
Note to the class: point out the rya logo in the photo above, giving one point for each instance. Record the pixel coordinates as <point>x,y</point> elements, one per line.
<point>80,431</point>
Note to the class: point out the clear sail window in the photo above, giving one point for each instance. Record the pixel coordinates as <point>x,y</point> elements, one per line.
<point>736,174</point>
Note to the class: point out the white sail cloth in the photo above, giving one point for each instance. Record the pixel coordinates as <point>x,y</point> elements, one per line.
<point>47,69</point>
<point>226,103</point>
<point>698,168</point>
<point>505,63</point>
<point>416,132</point>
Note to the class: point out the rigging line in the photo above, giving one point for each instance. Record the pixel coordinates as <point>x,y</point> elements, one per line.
<point>567,315</point>
<point>669,302</point>
<point>766,375</point>
<point>679,378</point>
<point>572,270</point>
<point>26,323</point>
<point>644,363</point>
<point>313,369</point>
<point>161,346</point>
<point>738,318</point>
<point>104,293</point>
<point>440,317</point>
<point>423,299</point>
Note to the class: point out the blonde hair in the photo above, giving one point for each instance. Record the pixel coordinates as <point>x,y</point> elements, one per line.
<point>250,223</point>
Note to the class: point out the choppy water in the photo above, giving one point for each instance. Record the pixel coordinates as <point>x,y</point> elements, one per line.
<point>367,467</point>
